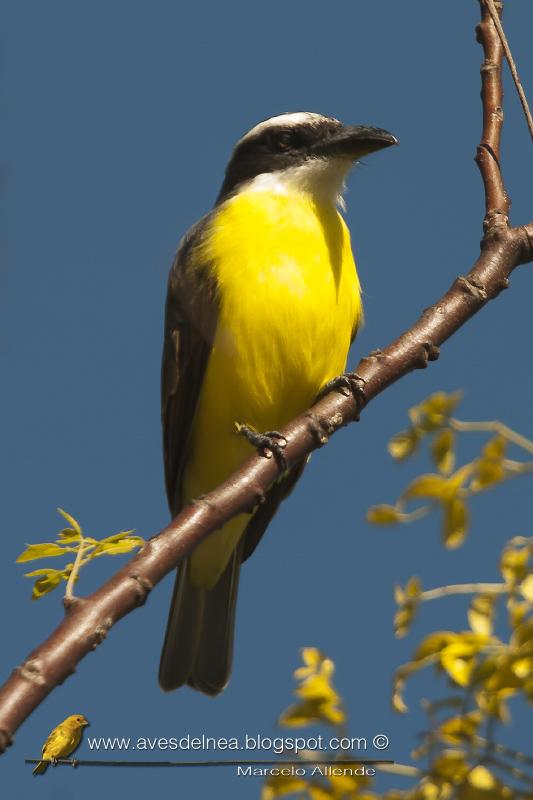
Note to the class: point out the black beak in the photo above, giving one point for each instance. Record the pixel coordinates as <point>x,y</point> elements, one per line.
<point>355,141</point>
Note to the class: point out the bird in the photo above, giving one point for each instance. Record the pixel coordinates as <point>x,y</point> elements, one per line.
<point>263,302</point>
<point>62,741</point>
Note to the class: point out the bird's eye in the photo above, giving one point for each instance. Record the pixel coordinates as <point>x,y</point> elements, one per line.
<point>285,140</point>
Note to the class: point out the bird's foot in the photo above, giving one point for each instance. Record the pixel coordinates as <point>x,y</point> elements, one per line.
<point>349,383</point>
<point>75,762</point>
<point>270,443</point>
<point>54,762</point>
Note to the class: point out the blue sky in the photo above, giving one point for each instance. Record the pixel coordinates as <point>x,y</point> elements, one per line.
<point>119,118</point>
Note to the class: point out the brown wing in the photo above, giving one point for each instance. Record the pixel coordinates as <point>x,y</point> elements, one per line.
<point>54,737</point>
<point>190,320</point>
<point>264,513</point>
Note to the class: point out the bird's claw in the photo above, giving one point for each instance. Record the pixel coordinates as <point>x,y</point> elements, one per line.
<point>349,383</point>
<point>270,443</point>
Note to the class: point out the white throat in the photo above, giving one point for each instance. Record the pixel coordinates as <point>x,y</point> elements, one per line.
<point>323,179</point>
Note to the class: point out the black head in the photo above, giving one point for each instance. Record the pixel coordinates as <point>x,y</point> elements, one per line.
<point>292,139</point>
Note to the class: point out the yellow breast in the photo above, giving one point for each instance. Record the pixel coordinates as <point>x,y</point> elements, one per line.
<point>289,301</point>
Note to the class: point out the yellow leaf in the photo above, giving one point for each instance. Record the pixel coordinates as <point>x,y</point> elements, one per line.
<point>399,594</point>
<point>481,613</point>
<point>487,473</point>
<point>458,661</point>
<point>68,535</point>
<point>428,791</point>
<point>433,644</point>
<point>403,444</point>
<point>495,448</point>
<point>321,703</point>
<point>118,547</point>
<point>332,714</point>
<point>344,785</point>
<point>442,451</point>
<point>71,521</point>
<point>435,410</point>
<point>482,785</point>
<point>383,515</point>
<point>481,778</point>
<point>450,766</point>
<point>317,792</point>
<point>517,612</point>
<point>403,619</point>
<point>327,668</point>
<point>523,634</point>
<point>460,476</point>
<point>398,702</point>
<point>407,600</point>
<point>514,565</point>
<point>494,704</point>
<point>507,674</point>
<point>523,668</point>
<point>44,550</point>
<point>528,694</point>
<point>526,588</point>
<point>433,486</point>
<point>311,712</point>
<point>455,523</point>
<point>43,571</point>
<point>316,687</point>
<point>298,716</point>
<point>47,579</point>
<point>280,785</point>
<point>315,662</point>
<point>116,537</point>
<point>398,684</point>
<point>311,656</point>
<point>413,587</point>
<point>458,729</point>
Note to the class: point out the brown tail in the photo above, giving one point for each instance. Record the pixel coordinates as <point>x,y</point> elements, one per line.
<point>198,647</point>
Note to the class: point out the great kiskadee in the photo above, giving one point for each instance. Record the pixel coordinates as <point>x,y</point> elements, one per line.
<point>263,303</point>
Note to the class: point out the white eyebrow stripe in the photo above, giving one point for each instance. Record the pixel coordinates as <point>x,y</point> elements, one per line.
<point>287,120</point>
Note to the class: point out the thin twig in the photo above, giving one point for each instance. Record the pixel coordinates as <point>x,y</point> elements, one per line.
<point>515,468</point>
<point>515,772</point>
<point>411,516</point>
<point>494,426</point>
<point>505,751</point>
<point>464,588</point>
<point>512,66</point>
<point>74,572</point>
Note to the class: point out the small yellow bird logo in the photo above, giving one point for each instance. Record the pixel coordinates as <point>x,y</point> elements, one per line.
<point>62,741</point>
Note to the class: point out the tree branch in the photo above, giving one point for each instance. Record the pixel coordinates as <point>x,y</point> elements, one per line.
<point>488,152</point>
<point>88,620</point>
<point>491,5</point>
